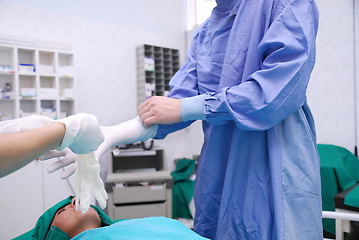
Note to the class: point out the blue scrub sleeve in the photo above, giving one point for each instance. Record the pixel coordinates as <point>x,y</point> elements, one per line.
<point>192,108</point>
<point>278,89</point>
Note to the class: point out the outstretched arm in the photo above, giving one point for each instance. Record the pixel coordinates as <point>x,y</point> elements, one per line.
<point>123,133</point>
<point>18,149</point>
<point>80,132</point>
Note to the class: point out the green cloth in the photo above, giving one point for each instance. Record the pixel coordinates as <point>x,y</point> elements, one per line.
<point>43,230</point>
<point>352,198</point>
<point>339,170</point>
<point>183,188</point>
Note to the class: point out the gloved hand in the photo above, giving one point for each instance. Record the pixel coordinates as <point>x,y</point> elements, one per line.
<point>65,158</point>
<point>87,176</point>
<point>24,123</point>
<point>88,180</point>
<point>83,133</point>
<point>124,133</point>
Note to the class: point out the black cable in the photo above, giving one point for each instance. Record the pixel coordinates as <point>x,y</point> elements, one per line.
<point>147,147</point>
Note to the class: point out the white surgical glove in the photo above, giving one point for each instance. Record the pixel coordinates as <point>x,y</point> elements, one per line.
<point>65,158</point>
<point>24,123</point>
<point>124,133</point>
<point>83,133</point>
<point>88,181</point>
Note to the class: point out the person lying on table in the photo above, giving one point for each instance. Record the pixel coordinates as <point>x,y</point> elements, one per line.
<point>63,222</point>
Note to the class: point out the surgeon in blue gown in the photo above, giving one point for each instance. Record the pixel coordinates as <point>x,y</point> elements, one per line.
<point>246,77</point>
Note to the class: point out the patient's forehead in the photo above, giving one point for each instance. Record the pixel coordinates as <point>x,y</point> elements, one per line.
<point>58,212</point>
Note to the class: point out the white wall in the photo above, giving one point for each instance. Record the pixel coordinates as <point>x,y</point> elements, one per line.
<point>104,36</point>
<point>331,91</point>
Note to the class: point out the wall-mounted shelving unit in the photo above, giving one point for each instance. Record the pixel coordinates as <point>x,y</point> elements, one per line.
<point>155,68</point>
<point>36,81</point>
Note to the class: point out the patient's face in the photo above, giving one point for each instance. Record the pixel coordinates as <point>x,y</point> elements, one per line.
<point>74,222</point>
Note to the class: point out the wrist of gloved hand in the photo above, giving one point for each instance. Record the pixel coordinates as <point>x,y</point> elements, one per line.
<point>192,108</point>
<point>145,133</point>
<point>125,133</point>
<point>83,133</point>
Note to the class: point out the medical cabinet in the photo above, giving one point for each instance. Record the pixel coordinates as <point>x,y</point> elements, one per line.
<point>138,184</point>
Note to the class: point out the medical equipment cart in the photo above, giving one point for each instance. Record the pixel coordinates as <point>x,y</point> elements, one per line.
<point>138,184</point>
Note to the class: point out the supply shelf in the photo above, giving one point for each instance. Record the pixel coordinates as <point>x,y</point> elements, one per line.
<point>155,67</point>
<point>36,80</point>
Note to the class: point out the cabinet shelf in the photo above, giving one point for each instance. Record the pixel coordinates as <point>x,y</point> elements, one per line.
<point>7,72</point>
<point>66,99</point>
<point>42,81</point>
<point>46,75</point>
<point>47,99</point>
<point>156,81</point>
<point>46,62</point>
<point>27,73</point>
<point>7,99</point>
<point>28,98</point>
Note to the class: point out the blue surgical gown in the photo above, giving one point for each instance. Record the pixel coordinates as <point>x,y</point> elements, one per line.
<point>258,175</point>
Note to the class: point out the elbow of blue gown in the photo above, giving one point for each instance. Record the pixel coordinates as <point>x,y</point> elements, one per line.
<point>262,102</point>
<point>278,88</point>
